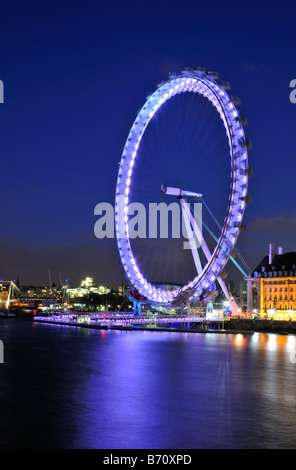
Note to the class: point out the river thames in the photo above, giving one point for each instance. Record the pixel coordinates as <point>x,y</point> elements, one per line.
<point>73,388</point>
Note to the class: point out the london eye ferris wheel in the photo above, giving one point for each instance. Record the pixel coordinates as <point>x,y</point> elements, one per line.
<point>201,112</point>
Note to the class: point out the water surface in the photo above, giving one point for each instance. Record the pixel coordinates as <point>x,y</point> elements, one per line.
<point>75,388</point>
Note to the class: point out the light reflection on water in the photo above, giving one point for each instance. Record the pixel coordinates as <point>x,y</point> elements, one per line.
<point>66,387</point>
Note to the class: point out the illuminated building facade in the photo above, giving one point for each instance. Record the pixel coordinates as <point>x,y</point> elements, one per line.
<point>271,287</point>
<point>243,294</point>
<point>87,287</point>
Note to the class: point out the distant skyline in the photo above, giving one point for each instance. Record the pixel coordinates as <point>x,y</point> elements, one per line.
<point>75,74</point>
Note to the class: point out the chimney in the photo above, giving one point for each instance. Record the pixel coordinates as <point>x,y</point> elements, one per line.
<point>272,250</point>
<point>280,250</point>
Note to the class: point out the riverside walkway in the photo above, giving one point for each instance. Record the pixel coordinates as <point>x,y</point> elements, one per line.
<point>168,322</point>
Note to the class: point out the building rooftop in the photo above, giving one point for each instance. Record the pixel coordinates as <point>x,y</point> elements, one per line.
<point>283,264</point>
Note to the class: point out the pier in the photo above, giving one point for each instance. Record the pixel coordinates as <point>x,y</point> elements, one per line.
<point>126,321</point>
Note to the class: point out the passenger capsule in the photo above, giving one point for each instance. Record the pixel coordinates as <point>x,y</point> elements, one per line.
<point>243,120</point>
<point>213,74</point>
<point>224,84</point>
<point>200,69</point>
<point>235,100</point>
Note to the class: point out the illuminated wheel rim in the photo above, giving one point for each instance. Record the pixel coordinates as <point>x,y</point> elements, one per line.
<point>208,85</point>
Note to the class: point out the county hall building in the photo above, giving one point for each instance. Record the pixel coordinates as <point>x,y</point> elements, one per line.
<point>271,287</point>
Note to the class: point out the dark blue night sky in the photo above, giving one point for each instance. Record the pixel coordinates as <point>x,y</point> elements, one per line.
<point>76,72</point>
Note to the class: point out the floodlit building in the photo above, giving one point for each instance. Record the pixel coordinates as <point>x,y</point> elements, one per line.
<point>271,287</point>
<point>243,294</point>
<point>87,286</point>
